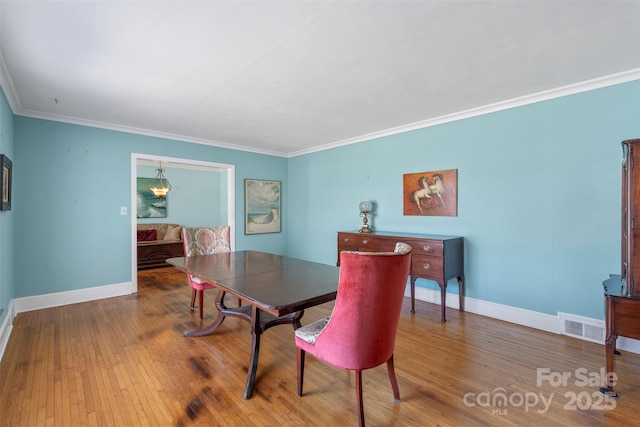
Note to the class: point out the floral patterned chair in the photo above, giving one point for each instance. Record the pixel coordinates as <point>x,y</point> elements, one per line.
<point>204,241</point>
<point>361,331</point>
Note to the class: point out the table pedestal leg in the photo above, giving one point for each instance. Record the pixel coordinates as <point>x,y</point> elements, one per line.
<point>221,316</point>
<point>256,331</point>
<point>259,321</point>
<point>295,320</point>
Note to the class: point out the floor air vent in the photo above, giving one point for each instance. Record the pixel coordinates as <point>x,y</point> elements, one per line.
<point>582,327</point>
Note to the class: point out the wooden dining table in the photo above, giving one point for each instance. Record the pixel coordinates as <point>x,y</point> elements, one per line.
<point>273,290</point>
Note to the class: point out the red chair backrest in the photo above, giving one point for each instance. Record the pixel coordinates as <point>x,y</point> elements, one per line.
<point>362,330</point>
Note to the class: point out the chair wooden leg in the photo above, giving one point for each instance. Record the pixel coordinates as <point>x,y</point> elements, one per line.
<point>192,306</point>
<point>359,397</point>
<point>300,359</point>
<point>394,381</point>
<point>201,302</point>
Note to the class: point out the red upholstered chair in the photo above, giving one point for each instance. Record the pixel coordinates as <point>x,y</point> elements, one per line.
<point>204,241</point>
<point>361,331</point>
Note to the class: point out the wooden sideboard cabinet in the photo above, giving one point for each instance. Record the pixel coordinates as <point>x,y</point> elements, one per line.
<point>622,292</point>
<point>437,258</point>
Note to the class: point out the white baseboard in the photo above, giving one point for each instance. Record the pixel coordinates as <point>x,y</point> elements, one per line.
<point>632,346</point>
<point>57,299</point>
<point>519,316</point>
<point>6,327</point>
<point>38,302</point>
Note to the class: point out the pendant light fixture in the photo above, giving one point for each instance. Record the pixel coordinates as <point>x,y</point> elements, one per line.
<point>160,185</point>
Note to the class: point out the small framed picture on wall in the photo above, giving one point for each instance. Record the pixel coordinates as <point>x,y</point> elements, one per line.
<point>6,181</point>
<point>261,206</point>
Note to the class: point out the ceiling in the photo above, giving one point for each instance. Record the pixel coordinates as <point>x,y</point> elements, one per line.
<point>290,77</point>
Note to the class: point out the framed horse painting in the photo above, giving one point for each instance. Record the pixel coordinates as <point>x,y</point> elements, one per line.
<point>432,193</point>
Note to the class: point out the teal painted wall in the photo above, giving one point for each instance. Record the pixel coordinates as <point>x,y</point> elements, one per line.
<point>70,182</point>
<point>6,217</point>
<point>538,196</point>
<point>197,198</point>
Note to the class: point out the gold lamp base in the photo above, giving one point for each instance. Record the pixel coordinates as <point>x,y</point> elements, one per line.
<point>365,227</point>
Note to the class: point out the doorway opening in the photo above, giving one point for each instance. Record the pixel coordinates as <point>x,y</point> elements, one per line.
<point>227,198</point>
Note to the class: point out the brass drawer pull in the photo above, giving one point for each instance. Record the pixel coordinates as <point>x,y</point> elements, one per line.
<point>346,239</point>
<point>426,248</point>
<point>426,266</point>
<point>365,241</point>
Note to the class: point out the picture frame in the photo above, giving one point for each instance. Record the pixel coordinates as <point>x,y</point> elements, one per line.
<point>6,182</point>
<point>148,204</point>
<point>433,193</point>
<point>262,206</point>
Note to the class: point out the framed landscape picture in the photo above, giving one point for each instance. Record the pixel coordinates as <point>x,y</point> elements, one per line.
<point>433,193</point>
<point>148,205</point>
<point>261,206</point>
<point>6,180</point>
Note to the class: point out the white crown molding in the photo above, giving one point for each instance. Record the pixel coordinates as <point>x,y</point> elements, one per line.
<point>598,83</point>
<point>140,131</point>
<point>6,85</point>
<point>624,77</point>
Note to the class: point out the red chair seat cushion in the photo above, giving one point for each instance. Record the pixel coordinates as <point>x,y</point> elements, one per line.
<point>310,332</point>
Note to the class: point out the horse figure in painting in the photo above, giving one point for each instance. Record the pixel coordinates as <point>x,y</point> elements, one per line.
<point>429,190</point>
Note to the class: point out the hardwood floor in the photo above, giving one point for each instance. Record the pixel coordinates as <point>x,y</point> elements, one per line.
<point>124,361</point>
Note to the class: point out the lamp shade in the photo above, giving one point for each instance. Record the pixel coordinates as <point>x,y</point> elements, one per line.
<point>160,185</point>
<point>365,207</point>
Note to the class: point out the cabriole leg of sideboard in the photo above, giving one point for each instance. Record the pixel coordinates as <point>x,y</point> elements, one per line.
<point>610,350</point>
<point>461,291</point>
<point>413,294</point>
<point>443,300</point>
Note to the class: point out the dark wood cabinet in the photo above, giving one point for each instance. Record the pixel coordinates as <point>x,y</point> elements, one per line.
<point>154,255</point>
<point>434,257</point>
<point>631,217</point>
<point>622,292</point>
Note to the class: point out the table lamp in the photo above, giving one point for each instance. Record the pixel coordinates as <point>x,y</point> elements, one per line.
<point>365,209</point>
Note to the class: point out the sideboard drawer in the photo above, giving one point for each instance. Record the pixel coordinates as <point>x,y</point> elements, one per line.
<point>368,243</point>
<point>427,267</point>
<point>347,241</point>
<point>427,248</point>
